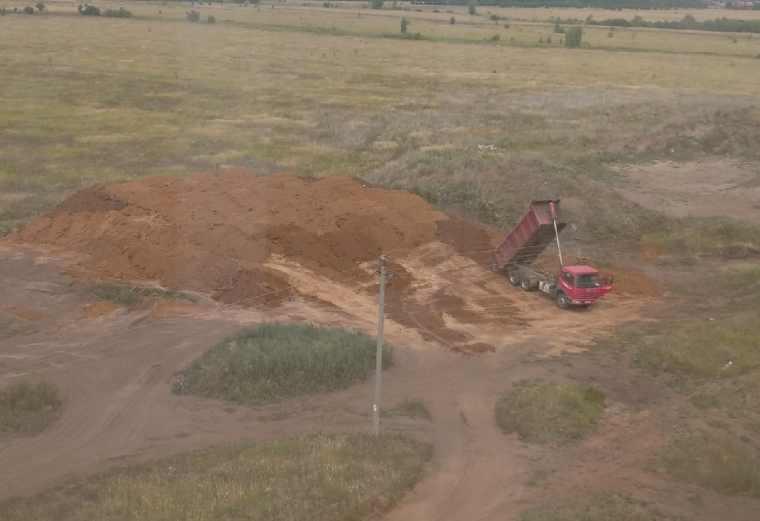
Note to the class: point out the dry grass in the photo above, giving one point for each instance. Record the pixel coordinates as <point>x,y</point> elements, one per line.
<point>318,477</point>
<point>548,412</point>
<point>603,507</point>
<point>28,408</point>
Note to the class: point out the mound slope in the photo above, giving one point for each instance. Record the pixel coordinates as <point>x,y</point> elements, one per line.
<point>214,232</point>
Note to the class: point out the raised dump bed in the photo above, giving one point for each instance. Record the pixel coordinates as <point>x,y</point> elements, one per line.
<point>530,237</point>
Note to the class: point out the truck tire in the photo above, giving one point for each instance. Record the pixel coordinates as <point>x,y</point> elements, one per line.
<point>514,278</point>
<point>526,284</point>
<point>562,301</point>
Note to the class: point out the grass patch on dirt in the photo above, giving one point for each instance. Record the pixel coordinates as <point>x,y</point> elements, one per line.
<point>547,413</point>
<point>705,237</point>
<point>603,507</point>
<point>411,408</point>
<point>28,408</point>
<point>720,462</point>
<point>316,477</point>
<point>276,361</point>
<point>129,296</point>
<point>703,349</point>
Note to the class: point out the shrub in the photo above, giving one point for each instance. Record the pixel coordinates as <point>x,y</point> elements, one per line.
<point>211,19</point>
<point>28,408</point>
<point>558,28</point>
<point>452,21</point>
<point>88,10</point>
<point>3,11</point>
<point>376,4</point>
<point>573,37</point>
<point>404,25</point>
<point>472,9</point>
<point>495,38</point>
<point>275,361</point>
<point>193,16</point>
<point>548,412</point>
<point>40,6</point>
<point>28,10</point>
<point>117,13</point>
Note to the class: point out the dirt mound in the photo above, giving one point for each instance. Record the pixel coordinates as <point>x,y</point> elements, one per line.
<point>215,232</point>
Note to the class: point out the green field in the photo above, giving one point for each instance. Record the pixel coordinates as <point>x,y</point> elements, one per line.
<point>328,91</point>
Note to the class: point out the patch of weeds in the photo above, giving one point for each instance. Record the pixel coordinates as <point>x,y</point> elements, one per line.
<point>541,412</point>
<point>705,237</point>
<point>703,349</point>
<point>28,408</point>
<point>129,296</point>
<point>318,477</point>
<point>603,507</point>
<point>721,462</point>
<point>411,408</point>
<point>276,361</point>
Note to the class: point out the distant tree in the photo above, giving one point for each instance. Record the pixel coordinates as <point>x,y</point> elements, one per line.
<point>404,25</point>
<point>29,10</point>
<point>376,4</point>
<point>452,20</point>
<point>211,19</point>
<point>558,28</point>
<point>40,6</point>
<point>573,37</point>
<point>193,16</point>
<point>472,8</point>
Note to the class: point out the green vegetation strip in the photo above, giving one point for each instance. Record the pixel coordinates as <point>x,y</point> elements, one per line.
<point>720,462</point>
<point>276,361</point>
<point>605,507</point>
<point>549,412</point>
<point>28,408</point>
<point>132,295</point>
<point>317,477</point>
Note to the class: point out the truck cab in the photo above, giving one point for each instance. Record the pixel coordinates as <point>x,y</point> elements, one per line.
<point>580,285</point>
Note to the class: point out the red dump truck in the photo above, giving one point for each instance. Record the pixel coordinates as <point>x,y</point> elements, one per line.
<point>574,285</point>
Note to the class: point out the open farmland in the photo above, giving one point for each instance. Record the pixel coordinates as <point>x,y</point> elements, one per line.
<point>167,185</point>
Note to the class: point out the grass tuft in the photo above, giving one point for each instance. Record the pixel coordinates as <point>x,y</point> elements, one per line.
<point>410,408</point>
<point>719,462</point>
<point>316,477</point>
<point>549,412</point>
<point>603,507</point>
<point>130,296</point>
<point>276,361</point>
<point>28,408</point>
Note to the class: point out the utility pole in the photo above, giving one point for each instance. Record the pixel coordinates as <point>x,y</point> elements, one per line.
<point>379,353</point>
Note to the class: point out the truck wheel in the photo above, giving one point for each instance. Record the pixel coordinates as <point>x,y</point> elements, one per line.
<point>514,279</point>
<point>562,301</point>
<point>526,284</point>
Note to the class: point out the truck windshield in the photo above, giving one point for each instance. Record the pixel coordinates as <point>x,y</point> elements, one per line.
<point>588,280</point>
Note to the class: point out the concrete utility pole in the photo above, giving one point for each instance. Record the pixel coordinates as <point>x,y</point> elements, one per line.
<point>379,353</point>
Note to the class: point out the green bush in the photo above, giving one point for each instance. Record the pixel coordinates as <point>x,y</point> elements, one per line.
<point>573,37</point>
<point>276,361</point>
<point>344,477</point>
<point>548,412</point>
<point>28,408</point>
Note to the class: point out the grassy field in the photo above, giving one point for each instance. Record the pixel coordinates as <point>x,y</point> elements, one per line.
<point>28,408</point>
<point>318,477</point>
<point>276,361</point>
<point>548,412</point>
<point>603,507</point>
<point>471,124</point>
